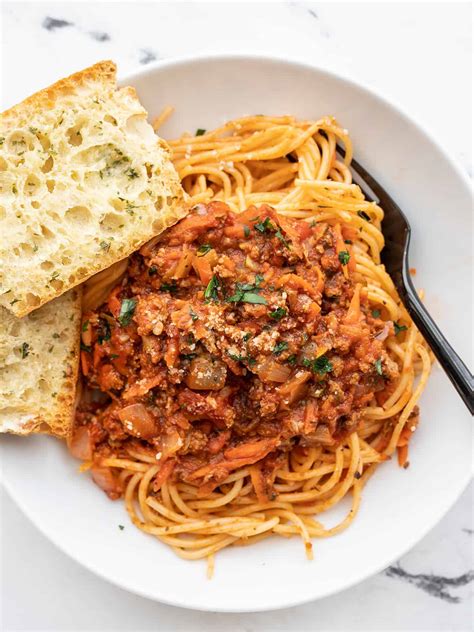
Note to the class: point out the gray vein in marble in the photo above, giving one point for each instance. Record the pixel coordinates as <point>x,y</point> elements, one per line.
<point>99,36</point>
<point>434,585</point>
<point>52,24</point>
<point>146,55</point>
<point>309,10</point>
<point>469,531</point>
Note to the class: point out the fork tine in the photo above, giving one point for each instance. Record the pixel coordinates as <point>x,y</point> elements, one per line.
<point>373,191</point>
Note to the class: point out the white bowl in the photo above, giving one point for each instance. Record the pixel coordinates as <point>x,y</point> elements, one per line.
<point>399,506</point>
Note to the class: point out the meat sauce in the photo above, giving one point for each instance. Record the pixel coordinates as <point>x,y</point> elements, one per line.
<point>232,339</point>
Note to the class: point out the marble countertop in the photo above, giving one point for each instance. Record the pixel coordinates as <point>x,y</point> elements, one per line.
<point>417,54</point>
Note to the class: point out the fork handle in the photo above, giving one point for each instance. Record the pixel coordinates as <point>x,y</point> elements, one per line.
<point>452,364</point>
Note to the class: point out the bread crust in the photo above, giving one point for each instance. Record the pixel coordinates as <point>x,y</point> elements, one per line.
<point>18,115</point>
<point>25,288</point>
<point>52,413</point>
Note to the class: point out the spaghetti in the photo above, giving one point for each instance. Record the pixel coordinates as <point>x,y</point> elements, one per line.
<point>292,166</point>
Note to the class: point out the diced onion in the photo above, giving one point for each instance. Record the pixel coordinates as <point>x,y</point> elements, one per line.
<point>80,446</point>
<point>272,371</point>
<point>382,335</point>
<point>138,421</point>
<point>106,480</point>
<point>170,444</point>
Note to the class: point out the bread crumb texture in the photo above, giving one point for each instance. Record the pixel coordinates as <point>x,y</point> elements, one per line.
<point>84,181</point>
<point>39,356</point>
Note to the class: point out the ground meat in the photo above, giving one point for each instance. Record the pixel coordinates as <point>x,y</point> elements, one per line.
<point>242,336</point>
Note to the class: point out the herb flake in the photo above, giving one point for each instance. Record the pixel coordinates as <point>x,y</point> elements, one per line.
<point>169,287</point>
<point>279,348</point>
<point>344,257</point>
<point>248,292</point>
<point>104,332</point>
<point>210,293</point>
<point>399,328</point>
<point>319,365</point>
<point>278,313</point>
<point>126,311</point>
<point>203,250</point>
<point>264,226</point>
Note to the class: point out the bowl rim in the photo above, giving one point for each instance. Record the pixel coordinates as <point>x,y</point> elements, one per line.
<point>397,109</point>
<point>293,61</point>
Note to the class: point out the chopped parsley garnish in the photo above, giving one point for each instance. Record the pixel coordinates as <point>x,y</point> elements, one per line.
<point>103,333</point>
<point>291,360</point>
<point>105,245</point>
<point>84,347</point>
<point>113,356</point>
<point>56,335</point>
<point>152,271</point>
<point>187,356</point>
<point>85,325</point>
<point>399,328</point>
<point>246,231</point>
<point>121,527</point>
<point>277,313</point>
<point>193,314</point>
<point>378,366</point>
<point>364,215</point>
<point>347,241</point>
<point>210,293</point>
<point>248,292</point>
<point>200,131</point>
<point>241,358</point>
<point>279,235</point>
<point>247,337</point>
<point>169,287</point>
<point>203,250</point>
<point>126,311</point>
<point>319,365</point>
<point>376,313</point>
<point>54,276</point>
<point>344,257</point>
<point>264,226</point>
<point>25,350</point>
<point>279,348</point>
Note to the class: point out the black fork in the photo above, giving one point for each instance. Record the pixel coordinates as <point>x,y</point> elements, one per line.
<point>397,232</point>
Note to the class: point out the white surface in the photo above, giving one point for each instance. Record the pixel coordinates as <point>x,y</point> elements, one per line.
<point>396,75</point>
<point>384,140</point>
